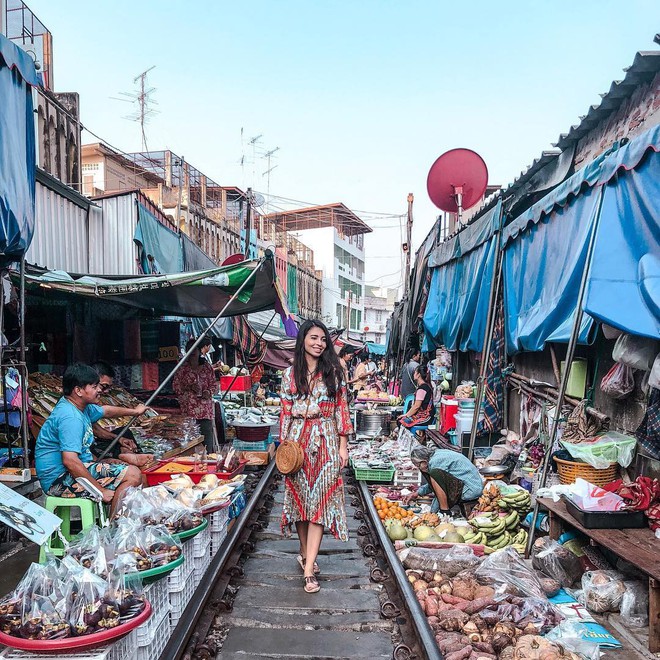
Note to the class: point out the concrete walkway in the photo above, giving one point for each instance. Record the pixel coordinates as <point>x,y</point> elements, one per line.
<point>274,618</point>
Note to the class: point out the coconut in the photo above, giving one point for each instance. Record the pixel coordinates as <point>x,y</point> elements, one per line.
<point>422,532</point>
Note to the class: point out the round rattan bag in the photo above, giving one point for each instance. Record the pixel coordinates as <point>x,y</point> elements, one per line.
<point>289,457</point>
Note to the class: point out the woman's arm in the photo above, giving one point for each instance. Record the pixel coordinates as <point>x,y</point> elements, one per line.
<point>286,400</point>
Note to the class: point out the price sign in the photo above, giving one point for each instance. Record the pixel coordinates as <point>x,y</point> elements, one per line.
<point>168,354</point>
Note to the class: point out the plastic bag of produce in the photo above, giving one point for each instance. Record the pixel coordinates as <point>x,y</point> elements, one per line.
<point>131,544</point>
<point>92,610</point>
<point>603,450</point>
<point>506,570</point>
<point>44,619</point>
<point>88,550</point>
<point>556,561</point>
<point>603,591</point>
<point>423,559</point>
<point>618,382</point>
<point>571,635</point>
<point>163,548</point>
<point>141,505</point>
<point>635,605</point>
<point>125,591</point>
<point>635,351</point>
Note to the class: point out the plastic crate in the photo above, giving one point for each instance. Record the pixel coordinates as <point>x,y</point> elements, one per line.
<point>201,565</point>
<point>144,634</point>
<point>218,520</point>
<point>408,477</point>
<point>176,580</point>
<point>156,594</point>
<point>217,539</point>
<point>262,445</point>
<point>371,474</point>
<point>155,647</point>
<point>197,546</point>
<point>179,601</point>
<point>124,649</point>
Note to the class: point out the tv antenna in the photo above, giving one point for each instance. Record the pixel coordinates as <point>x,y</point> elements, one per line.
<point>141,98</point>
<point>268,155</point>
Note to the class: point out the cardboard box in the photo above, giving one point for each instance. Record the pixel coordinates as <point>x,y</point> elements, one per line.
<point>258,457</point>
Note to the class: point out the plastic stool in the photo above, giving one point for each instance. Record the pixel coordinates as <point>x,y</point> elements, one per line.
<point>61,507</point>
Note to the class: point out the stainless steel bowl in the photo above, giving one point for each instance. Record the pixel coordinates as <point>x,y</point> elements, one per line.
<point>490,470</point>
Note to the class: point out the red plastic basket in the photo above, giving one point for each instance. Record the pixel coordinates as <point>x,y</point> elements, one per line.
<point>78,643</point>
<point>154,478</point>
<point>252,433</point>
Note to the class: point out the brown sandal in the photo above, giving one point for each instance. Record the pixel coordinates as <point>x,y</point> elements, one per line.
<point>301,562</point>
<point>311,584</point>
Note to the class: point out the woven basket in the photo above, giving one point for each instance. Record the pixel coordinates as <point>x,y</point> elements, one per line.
<point>289,457</point>
<point>569,471</point>
<point>252,433</point>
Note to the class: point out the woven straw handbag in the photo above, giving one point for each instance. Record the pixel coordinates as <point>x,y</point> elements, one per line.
<point>289,456</point>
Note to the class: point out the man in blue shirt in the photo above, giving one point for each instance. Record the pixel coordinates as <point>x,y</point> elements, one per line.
<point>63,453</point>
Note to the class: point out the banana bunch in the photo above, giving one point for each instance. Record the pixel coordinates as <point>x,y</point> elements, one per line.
<point>495,531</point>
<point>475,537</point>
<point>520,501</point>
<point>519,542</point>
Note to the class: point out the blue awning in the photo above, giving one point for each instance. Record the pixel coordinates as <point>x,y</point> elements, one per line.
<point>376,349</point>
<point>545,251</point>
<point>17,151</point>
<point>457,306</point>
<point>623,289</point>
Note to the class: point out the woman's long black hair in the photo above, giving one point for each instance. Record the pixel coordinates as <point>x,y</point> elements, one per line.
<point>329,366</point>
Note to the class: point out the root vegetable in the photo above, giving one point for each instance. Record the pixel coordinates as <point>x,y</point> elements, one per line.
<point>421,599</point>
<point>483,592</point>
<point>420,585</point>
<point>464,588</point>
<point>453,641</point>
<point>438,577</point>
<point>505,627</point>
<point>463,654</point>
<point>431,605</point>
<point>452,620</point>
<point>501,641</point>
<point>428,576</point>
<point>433,620</point>
<point>481,625</point>
<point>550,586</point>
<point>507,653</point>
<point>446,587</point>
<point>482,656</point>
<point>453,600</point>
<point>478,605</point>
<point>484,647</point>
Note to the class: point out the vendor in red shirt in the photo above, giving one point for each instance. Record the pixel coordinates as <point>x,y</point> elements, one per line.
<point>195,384</point>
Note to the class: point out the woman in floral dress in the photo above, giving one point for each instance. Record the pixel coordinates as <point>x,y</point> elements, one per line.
<point>315,414</point>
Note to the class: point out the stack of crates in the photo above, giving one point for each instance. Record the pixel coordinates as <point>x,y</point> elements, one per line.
<point>180,586</point>
<point>218,529</point>
<point>124,649</point>
<point>199,549</point>
<point>147,636</point>
<point>160,633</point>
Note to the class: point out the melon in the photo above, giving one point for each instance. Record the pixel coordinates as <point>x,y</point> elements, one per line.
<point>444,527</point>
<point>453,537</point>
<point>423,532</point>
<point>397,532</point>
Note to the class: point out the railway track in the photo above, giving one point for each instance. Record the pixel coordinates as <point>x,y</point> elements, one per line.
<point>251,603</point>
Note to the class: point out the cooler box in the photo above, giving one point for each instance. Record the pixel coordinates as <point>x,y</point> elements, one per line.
<point>240,384</point>
<point>448,412</point>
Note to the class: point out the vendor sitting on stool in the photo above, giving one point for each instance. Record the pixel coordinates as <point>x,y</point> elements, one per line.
<point>449,475</point>
<point>421,411</point>
<point>126,449</point>
<point>62,452</point>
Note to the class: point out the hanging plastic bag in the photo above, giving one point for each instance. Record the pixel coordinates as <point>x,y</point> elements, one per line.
<point>635,605</point>
<point>618,382</point>
<point>635,352</point>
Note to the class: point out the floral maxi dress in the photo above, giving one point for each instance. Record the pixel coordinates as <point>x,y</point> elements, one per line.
<point>316,492</point>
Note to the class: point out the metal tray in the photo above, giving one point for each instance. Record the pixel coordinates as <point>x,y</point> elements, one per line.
<point>606,519</point>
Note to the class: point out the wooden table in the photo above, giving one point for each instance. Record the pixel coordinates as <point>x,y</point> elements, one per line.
<point>179,451</point>
<point>638,546</point>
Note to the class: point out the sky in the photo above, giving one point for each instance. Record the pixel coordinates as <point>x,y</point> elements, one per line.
<point>359,96</point>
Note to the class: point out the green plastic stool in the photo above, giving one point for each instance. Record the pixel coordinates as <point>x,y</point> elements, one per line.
<point>61,507</point>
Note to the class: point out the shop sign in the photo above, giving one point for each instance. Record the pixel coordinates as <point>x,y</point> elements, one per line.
<point>168,354</point>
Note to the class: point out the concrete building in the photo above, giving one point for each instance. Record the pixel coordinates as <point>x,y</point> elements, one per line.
<point>336,235</point>
<point>378,306</point>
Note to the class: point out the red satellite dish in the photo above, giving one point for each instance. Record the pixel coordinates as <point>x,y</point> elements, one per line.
<point>233,259</point>
<point>457,180</point>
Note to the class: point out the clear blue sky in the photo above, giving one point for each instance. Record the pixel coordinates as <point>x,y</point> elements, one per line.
<point>360,96</point>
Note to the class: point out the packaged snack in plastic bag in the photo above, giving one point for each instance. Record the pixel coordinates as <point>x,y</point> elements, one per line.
<point>635,605</point>
<point>556,561</point>
<point>88,550</point>
<point>125,591</point>
<point>618,382</point>
<point>635,351</point>
<point>506,570</point>
<point>603,591</point>
<point>163,548</point>
<point>91,610</point>
<point>44,619</point>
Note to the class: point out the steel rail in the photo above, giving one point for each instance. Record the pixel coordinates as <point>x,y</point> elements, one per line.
<point>178,641</point>
<point>424,633</point>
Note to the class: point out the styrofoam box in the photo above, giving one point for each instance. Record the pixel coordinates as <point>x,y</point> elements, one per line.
<point>156,646</point>
<point>179,601</point>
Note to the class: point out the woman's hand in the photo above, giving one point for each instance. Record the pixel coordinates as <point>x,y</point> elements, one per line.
<point>406,499</point>
<point>343,456</point>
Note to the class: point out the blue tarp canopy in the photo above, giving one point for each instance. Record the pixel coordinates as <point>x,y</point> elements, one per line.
<point>462,271</point>
<point>546,249</point>
<point>623,289</point>
<point>17,151</point>
<point>160,249</point>
<point>376,349</point>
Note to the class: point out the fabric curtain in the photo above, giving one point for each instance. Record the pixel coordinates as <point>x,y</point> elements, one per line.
<point>17,151</point>
<point>623,289</point>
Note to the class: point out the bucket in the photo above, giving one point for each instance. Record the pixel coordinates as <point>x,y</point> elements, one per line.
<point>465,404</point>
<point>577,379</point>
<point>464,421</point>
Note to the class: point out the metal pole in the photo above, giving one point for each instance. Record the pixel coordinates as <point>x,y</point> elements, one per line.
<point>485,352</point>
<point>570,352</point>
<point>178,204</point>
<point>409,224</point>
<point>24,384</point>
<point>248,223</point>
<point>169,377</point>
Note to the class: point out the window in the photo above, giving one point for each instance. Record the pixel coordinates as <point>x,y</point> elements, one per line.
<point>379,316</point>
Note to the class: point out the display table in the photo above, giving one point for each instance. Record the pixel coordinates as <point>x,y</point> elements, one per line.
<point>179,451</point>
<point>638,546</point>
